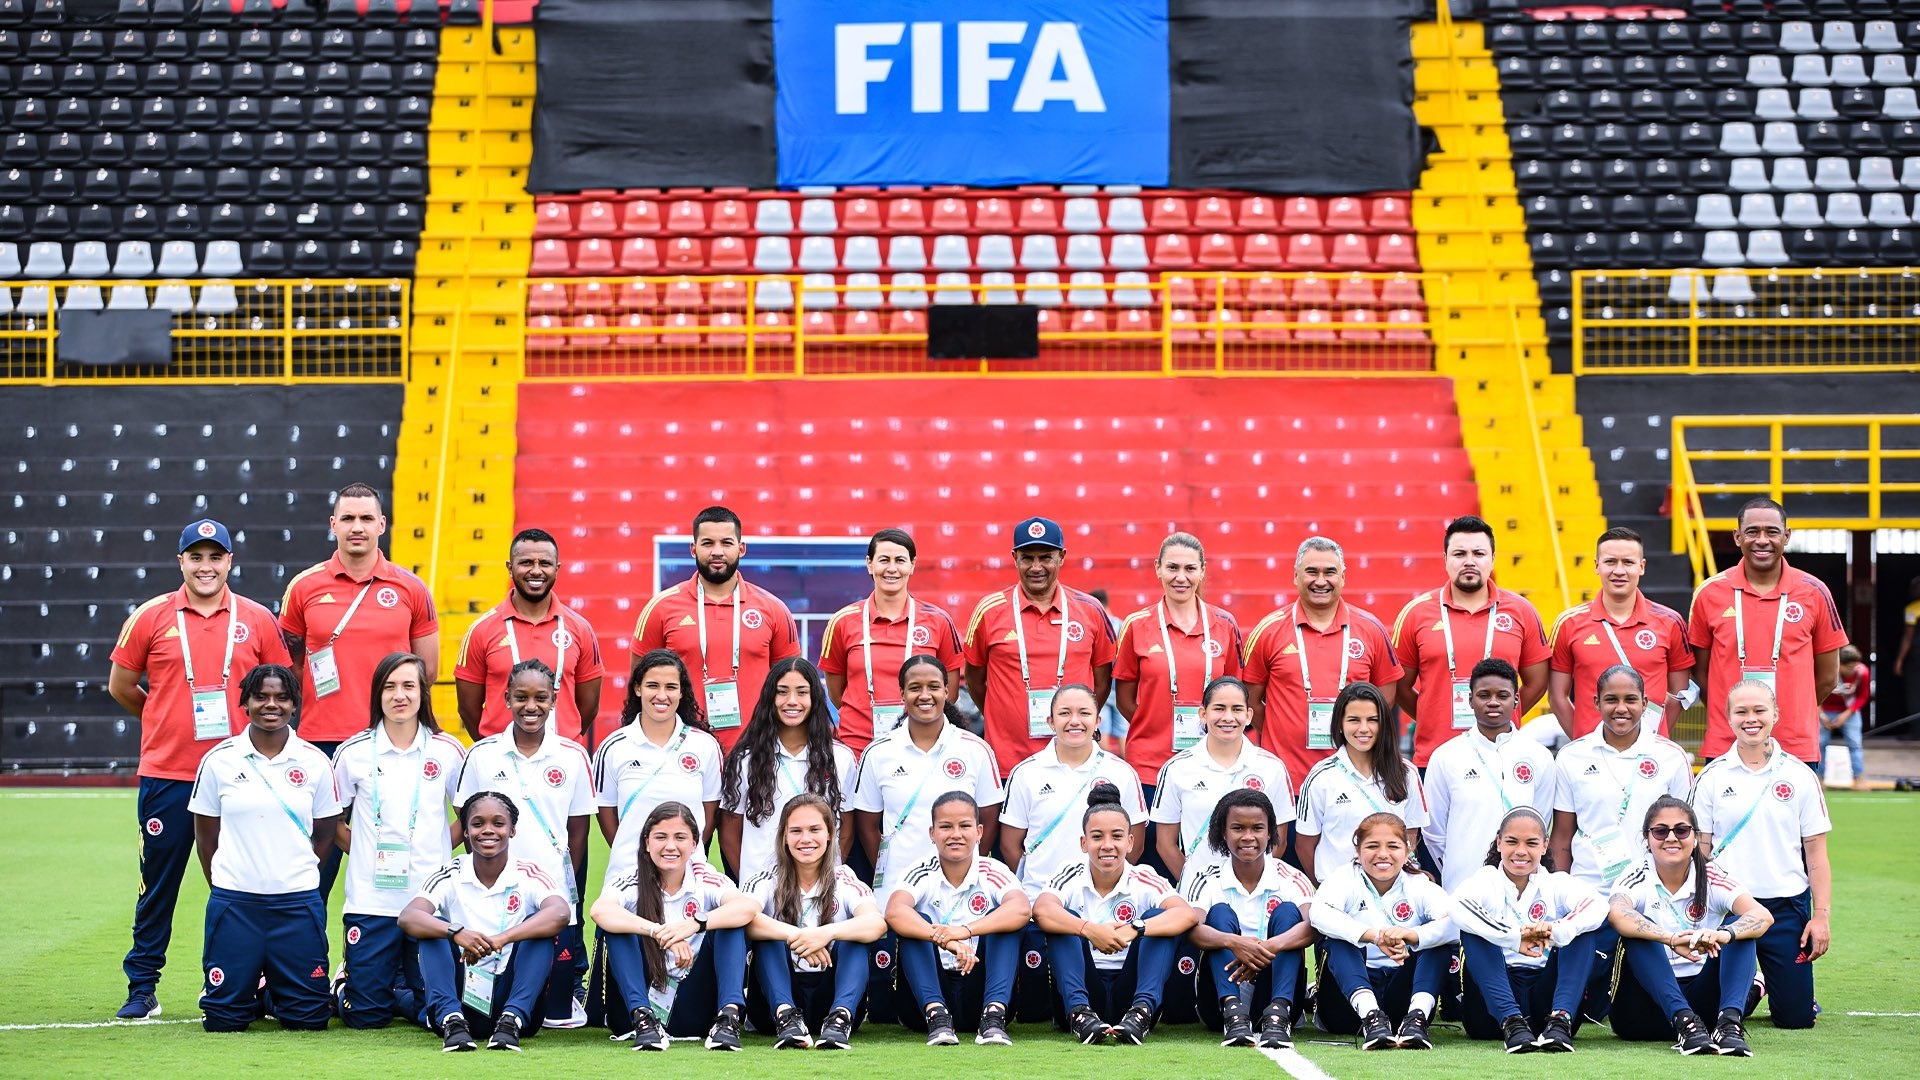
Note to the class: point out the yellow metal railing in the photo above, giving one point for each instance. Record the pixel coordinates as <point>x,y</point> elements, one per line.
<point>239,331</point>
<point>1652,322</point>
<point>1862,493</point>
<point>1518,349</point>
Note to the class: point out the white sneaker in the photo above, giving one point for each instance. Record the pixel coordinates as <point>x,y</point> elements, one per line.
<point>578,1016</point>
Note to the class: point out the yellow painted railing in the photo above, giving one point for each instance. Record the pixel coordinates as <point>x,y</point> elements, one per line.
<point>1545,482</point>
<point>1655,322</point>
<point>279,330</point>
<point>1862,492</point>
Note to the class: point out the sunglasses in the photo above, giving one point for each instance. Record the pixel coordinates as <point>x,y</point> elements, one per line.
<point>1678,832</point>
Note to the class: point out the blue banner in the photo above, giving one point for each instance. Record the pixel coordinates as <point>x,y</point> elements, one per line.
<point>1010,92</point>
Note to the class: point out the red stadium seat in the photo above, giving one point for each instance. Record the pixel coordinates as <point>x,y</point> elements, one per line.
<point>906,215</point>
<point>1217,251</point>
<point>552,219</point>
<point>1182,317</point>
<point>683,294</point>
<point>1402,292</point>
<point>1038,215</point>
<point>597,219</point>
<point>1321,332</point>
<point>907,321</point>
<point>1134,320</point>
<point>680,329</point>
<point>860,216</point>
<point>728,294</point>
<point>635,295</point>
<point>949,216</point>
<point>589,332</point>
<point>550,259</point>
<point>1350,252</point>
<point>685,255</point>
<point>820,323</point>
<point>1406,326</point>
<point>1270,335</point>
<point>1168,214</point>
<point>687,216</point>
<point>1355,291</point>
<point>1301,214</point>
<point>732,216</point>
<point>1312,291</point>
<point>640,217</point>
<point>1397,251</point>
<point>1214,213</point>
<point>1229,335</point>
<point>547,298</point>
<point>773,328</point>
<point>729,253</point>
<point>1306,251</point>
<point>593,256</point>
<point>627,333</point>
<point>729,329</point>
<point>1345,214</point>
<point>592,298</point>
<point>1360,315</point>
<point>993,215</point>
<point>1267,292</point>
<point>1180,290</point>
<point>639,255</point>
<point>1263,251</point>
<point>1171,251</point>
<point>546,333</point>
<point>1089,321</point>
<point>1389,213</point>
<point>1257,212</point>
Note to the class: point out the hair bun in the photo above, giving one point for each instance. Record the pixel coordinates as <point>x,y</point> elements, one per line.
<point>1103,793</point>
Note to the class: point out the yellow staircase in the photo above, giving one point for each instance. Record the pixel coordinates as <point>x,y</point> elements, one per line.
<point>1518,418</point>
<point>453,480</point>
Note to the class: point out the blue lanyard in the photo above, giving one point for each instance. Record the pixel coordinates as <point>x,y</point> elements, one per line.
<point>373,782</point>
<point>306,828</point>
<point>926,774</point>
<point>1093,773</point>
<point>666,758</point>
<point>1772,767</point>
<point>533,803</point>
<point>1365,788</point>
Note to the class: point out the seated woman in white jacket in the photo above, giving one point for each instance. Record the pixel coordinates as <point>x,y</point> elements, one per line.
<point>1385,930</point>
<point>1529,935</point>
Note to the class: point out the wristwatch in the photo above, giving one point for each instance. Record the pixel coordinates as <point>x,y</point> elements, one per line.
<point>1139,926</point>
<point>700,920</point>
<point>454,929</point>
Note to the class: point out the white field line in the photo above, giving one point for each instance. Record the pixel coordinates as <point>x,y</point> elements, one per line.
<point>1296,1066</point>
<point>97,1024</point>
<point>126,794</point>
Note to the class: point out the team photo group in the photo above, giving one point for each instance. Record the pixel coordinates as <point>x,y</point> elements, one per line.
<point>1179,816</point>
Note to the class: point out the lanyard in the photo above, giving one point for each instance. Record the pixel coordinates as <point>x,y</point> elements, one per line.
<point>1093,773</point>
<point>1607,625</point>
<point>1233,779</point>
<point>1779,627</point>
<point>1398,892</point>
<point>666,757</point>
<point>186,651</point>
<point>798,784</point>
<point>527,795</point>
<point>1166,646</point>
<point>506,907</point>
<point>700,607</point>
<point>1446,631</point>
<point>351,608</point>
<point>373,782</point>
<point>560,657</point>
<point>946,917</point>
<point>1493,773</point>
<point>866,645</point>
<point>1773,766</point>
<point>1346,643</point>
<point>1681,922</point>
<point>305,828</point>
<point>1365,787</point>
<point>1626,787</point>
<point>1020,639</point>
<point>926,774</point>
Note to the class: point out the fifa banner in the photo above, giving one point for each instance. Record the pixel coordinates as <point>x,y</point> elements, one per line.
<point>1283,96</point>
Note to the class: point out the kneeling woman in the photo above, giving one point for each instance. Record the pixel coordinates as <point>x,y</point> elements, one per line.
<point>676,943</point>
<point>1255,930</point>
<point>971,909</point>
<point>500,916</point>
<point>810,938</point>
<point>263,817</point>
<point>1689,934</point>
<point>1530,936</point>
<point>1385,928</point>
<point>1125,920</point>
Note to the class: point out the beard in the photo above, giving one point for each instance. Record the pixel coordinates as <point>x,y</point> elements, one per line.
<point>720,576</point>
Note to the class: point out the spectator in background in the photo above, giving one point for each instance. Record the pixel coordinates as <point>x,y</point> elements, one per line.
<point>1844,711</point>
<point>1911,616</point>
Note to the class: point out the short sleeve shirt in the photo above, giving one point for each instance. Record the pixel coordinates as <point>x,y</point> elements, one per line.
<point>267,807</point>
<point>1274,662</point>
<point>1608,792</point>
<point>1191,783</point>
<point>849,893</point>
<point>992,645</point>
<point>1138,891</point>
<point>702,889</point>
<point>551,787</point>
<point>150,643</point>
<point>1334,800</point>
<point>1758,819</point>
<point>1673,911</point>
<point>1279,884</point>
<point>501,638</point>
<point>398,795</point>
<point>633,774</point>
<point>900,782</point>
<point>1211,649</point>
<point>397,609</point>
<point>768,635</point>
<point>1586,642</point>
<point>1420,644</point>
<point>1048,798</point>
<point>514,897</point>
<point>988,882</point>
<point>1810,625</point>
<point>845,649</point>
<point>759,839</point>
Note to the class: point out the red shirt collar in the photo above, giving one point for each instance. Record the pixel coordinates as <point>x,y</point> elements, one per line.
<point>182,602</point>
<point>1737,577</point>
<point>506,610</point>
<point>1059,599</point>
<point>1343,616</point>
<point>1597,609</point>
<point>382,567</point>
<point>874,615</point>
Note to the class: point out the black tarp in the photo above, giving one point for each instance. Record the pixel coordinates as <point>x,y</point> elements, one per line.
<point>1293,96</point>
<point>653,93</point>
<point>115,338</point>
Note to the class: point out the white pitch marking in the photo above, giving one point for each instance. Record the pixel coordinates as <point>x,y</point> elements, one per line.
<point>97,1024</point>
<point>1296,1066</point>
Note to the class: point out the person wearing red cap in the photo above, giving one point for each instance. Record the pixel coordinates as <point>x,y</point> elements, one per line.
<point>530,624</point>
<point>727,630</point>
<point>193,645</point>
<point>1027,642</point>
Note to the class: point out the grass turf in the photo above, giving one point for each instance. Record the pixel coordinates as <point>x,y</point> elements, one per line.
<point>60,964</point>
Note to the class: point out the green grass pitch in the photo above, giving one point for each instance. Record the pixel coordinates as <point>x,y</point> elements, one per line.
<point>69,887</point>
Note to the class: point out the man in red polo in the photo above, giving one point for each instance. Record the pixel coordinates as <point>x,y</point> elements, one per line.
<point>1441,635</point>
<point>1762,619</point>
<point>1027,642</point>
<point>530,624</point>
<point>193,645</point>
<point>727,630</point>
<point>1620,626</point>
<point>1301,656</point>
<point>866,643</point>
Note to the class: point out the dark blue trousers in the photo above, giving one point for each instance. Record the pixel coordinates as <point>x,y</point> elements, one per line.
<point>1650,993</point>
<point>1283,979</point>
<point>1599,996</point>
<point>718,979</point>
<point>1344,969</point>
<point>166,845</point>
<point>928,982</point>
<point>569,961</point>
<point>1789,977</point>
<point>516,990</point>
<point>329,866</point>
<point>1033,987</point>
<point>1110,991</point>
<point>777,985</point>
<point>284,939</point>
<point>1495,991</point>
<point>383,973</point>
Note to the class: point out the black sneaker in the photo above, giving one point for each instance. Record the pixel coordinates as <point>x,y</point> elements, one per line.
<point>458,1037</point>
<point>1235,1027</point>
<point>1557,1038</point>
<point>725,1033</point>
<point>940,1027</point>
<point>836,1031</point>
<point>141,1005</point>
<point>1413,1031</point>
<point>1276,1025</point>
<point>1730,1035</point>
<point>1519,1036</point>
<point>1134,1024</point>
<point>646,1031</point>
<point>1755,991</point>
<point>993,1026</point>
<point>1376,1032</point>
<point>506,1034</point>
<point>790,1030</point>
<point>1693,1035</point>
<point>1086,1025</point>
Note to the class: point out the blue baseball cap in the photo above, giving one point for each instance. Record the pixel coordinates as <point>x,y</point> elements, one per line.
<point>1039,532</point>
<point>205,529</point>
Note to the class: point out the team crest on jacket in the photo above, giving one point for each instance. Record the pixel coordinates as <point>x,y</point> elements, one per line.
<point>297,776</point>
<point>693,907</point>
<point>353,935</point>
<point>1523,772</point>
<point>1645,640</point>
<point>1255,783</point>
<point>1075,631</point>
<point>1503,622</point>
<point>1453,965</point>
<point>1794,612</point>
<point>978,905</point>
<point>751,618</point>
<point>1403,911</point>
<point>154,826</point>
<point>954,767</point>
<point>1273,904</point>
<point>215,977</point>
<point>1783,791</point>
<point>562,639</point>
<point>241,633</point>
<point>689,763</point>
<point>556,776</point>
<point>1123,913</point>
<point>1213,647</point>
<point>1538,911</point>
<point>513,902</point>
<point>431,770</point>
<point>1356,648</point>
<point>922,636</point>
<point>1033,959</point>
<point>387,596</point>
<point>1648,767</point>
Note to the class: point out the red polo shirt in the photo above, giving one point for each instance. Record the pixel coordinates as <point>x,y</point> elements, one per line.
<point>397,609</point>
<point>1811,626</point>
<point>1420,644</point>
<point>767,635</point>
<point>1652,640</point>
<point>486,658</point>
<point>843,652</point>
<point>991,645</point>
<point>150,643</point>
<point>1273,663</point>
<point>1140,658</point>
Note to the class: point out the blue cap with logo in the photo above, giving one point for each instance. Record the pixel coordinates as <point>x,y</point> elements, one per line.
<point>1039,532</point>
<point>205,529</point>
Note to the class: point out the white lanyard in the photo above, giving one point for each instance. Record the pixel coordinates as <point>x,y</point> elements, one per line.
<point>1166,646</point>
<point>1779,627</point>
<point>186,651</point>
<point>1346,644</point>
<point>351,608</point>
<point>560,658</point>
<point>373,782</point>
<point>1446,631</point>
<point>866,643</point>
<point>1020,638</point>
<point>251,758</point>
<point>1607,625</point>
<point>700,607</point>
